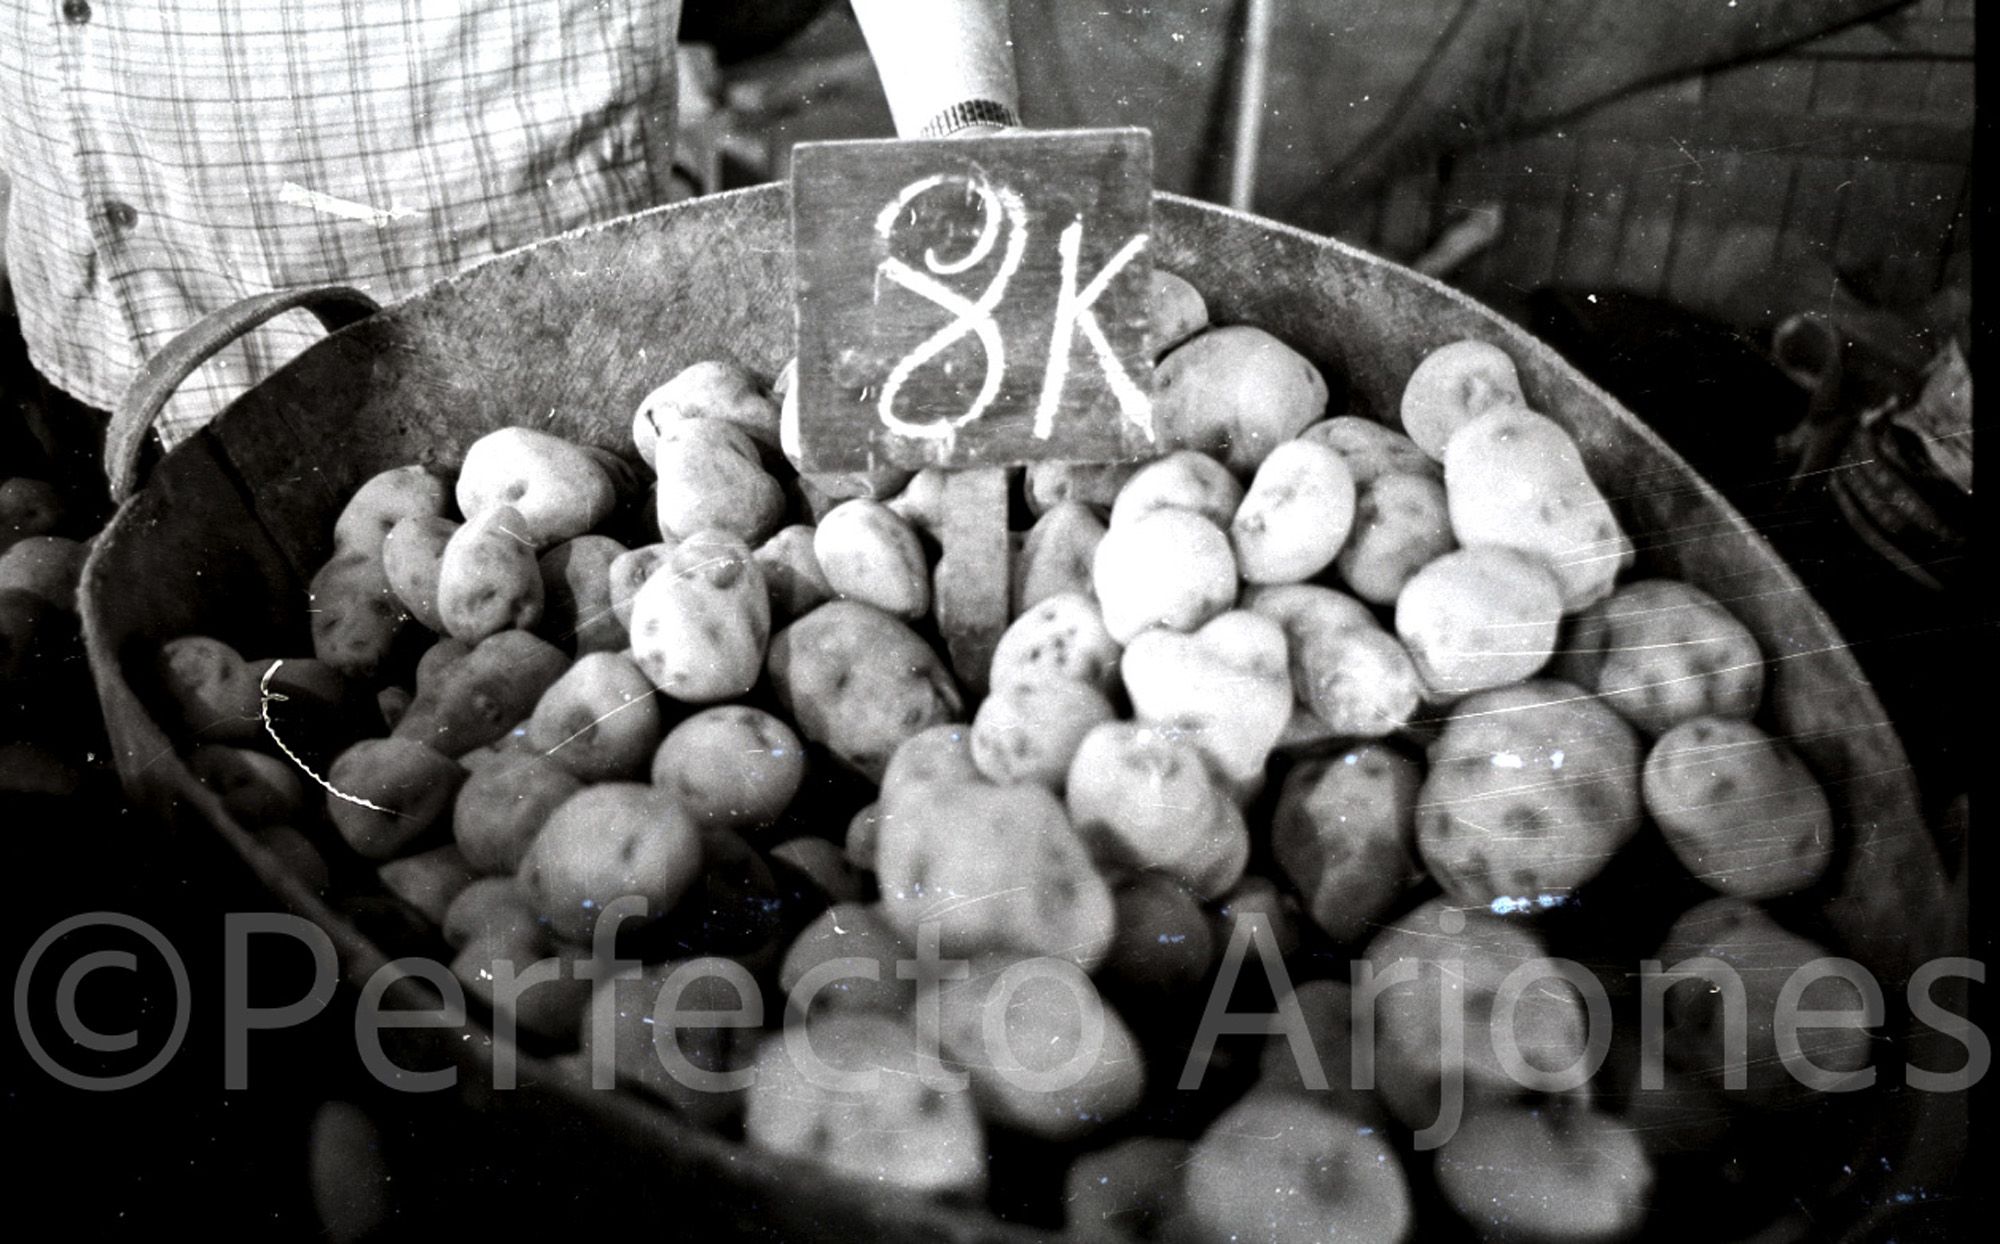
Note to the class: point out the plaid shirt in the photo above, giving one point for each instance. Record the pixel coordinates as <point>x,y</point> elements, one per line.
<point>169,158</point>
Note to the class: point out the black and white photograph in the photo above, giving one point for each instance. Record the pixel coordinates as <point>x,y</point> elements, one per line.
<point>983,621</point>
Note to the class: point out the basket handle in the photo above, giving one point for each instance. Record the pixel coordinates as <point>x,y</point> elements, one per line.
<point>337,306</point>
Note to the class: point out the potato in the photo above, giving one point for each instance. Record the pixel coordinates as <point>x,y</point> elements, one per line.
<point>920,501</point>
<point>46,566</point>
<point>993,868</point>
<point>1279,1168</point>
<point>428,881</point>
<point>550,1009</point>
<point>859,682</point>
<point>1183,480</point>
<point>1227,688</point>
<point>637,1058</point>
<point>711,479</point>
<point>356,618</point>
<point>217,692</point>
<point>405,786</point>
<point>1056,557</point>
<point>256,789</point>
<point>1255,894</point>
<point>488,581</point>
<point>1739,808</point>
<point>1029,731</point>
<point>1402,523</point>
<point>824,490</point>
<point>1662,652</point>
<point>1117,1193</point>
<point>870,555</point>
<point>864,837</point>
<point>1328,1010</point>
<point>556,488</point>
<point>701,623</point>
<point>1142,799</point>
<point>577,609</point>
<point>600,720</point>
<point>1517,479</point>
<point>1095,484</point>
<point>939,755</point>
<point>392,703</point>
<point>1541,1173</point>
<point>1762,955</point>
<point>1175,311</point>
<point>1461,958</point>
<point>503,806</point>
<point>1164,946</point>
<point>1453,385</point>
<point>1345,669</point>
<point>488,909</point>
<point>1345,834</point>
<point>481,696</point>
<point>1171,568</point>
<point>1062,638</point>
<point>1296,516</point>
<point>29,507</point>
<point>892,1128</point>
<point>385,500</point>
<point>847,931</point>
<point>1010,1021</point>
<point>821,870</point>
<point>1372,450</point>
<point>629,572</point>
<point>1479,618</point>
<point>606,842</point>
<point>792,573</point>
<point>714,389</point>
<point>1531,790</point>
<point>1236,392</point>
<point>733,766</point>
<point>440,656</point>
<point>412,559</point>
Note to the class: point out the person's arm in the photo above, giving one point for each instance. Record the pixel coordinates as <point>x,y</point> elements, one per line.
<point>935,54</point>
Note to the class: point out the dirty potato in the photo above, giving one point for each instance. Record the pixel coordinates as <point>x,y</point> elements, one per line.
<point>1453,385</point>
<point>488,579</point>
<point>356,618</point>
<point>1057,556</point>
<point>1345,833</point>
<point>712,389</point>
<point>869,554</point>
<point>557,489</point>
<point>1531,790</point>
<point>1182,480</point>
<point>732,765</point>
<point>1061,638</point>
<point>792,573</point>
<point>577,608</point>
<point>1237,392</point>
<point>700,625</point>
<point>413,559</point>
<point>860,682</point>
<point>385,500</point>
<point>1517,479</point>
<point>1662,652</point>
<point>1028,731</point>
<point>1402,523</point>
<point>712,479</point>
<point>1479,618</point>
<point>1171,568</point>
<point>1296,516</point>
<point>1739,808</point>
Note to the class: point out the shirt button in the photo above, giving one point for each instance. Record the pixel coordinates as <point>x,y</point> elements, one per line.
<point>76,12</point>
<point>121,215</point>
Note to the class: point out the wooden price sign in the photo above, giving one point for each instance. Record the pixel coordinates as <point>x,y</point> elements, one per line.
<point>975,304</point>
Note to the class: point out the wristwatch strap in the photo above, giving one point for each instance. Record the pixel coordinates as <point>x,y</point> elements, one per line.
<point>965,115</point>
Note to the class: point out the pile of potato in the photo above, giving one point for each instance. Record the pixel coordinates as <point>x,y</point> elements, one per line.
<point>1384,691</point>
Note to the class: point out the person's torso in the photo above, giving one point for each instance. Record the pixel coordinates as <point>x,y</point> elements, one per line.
<point>170,158</point>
